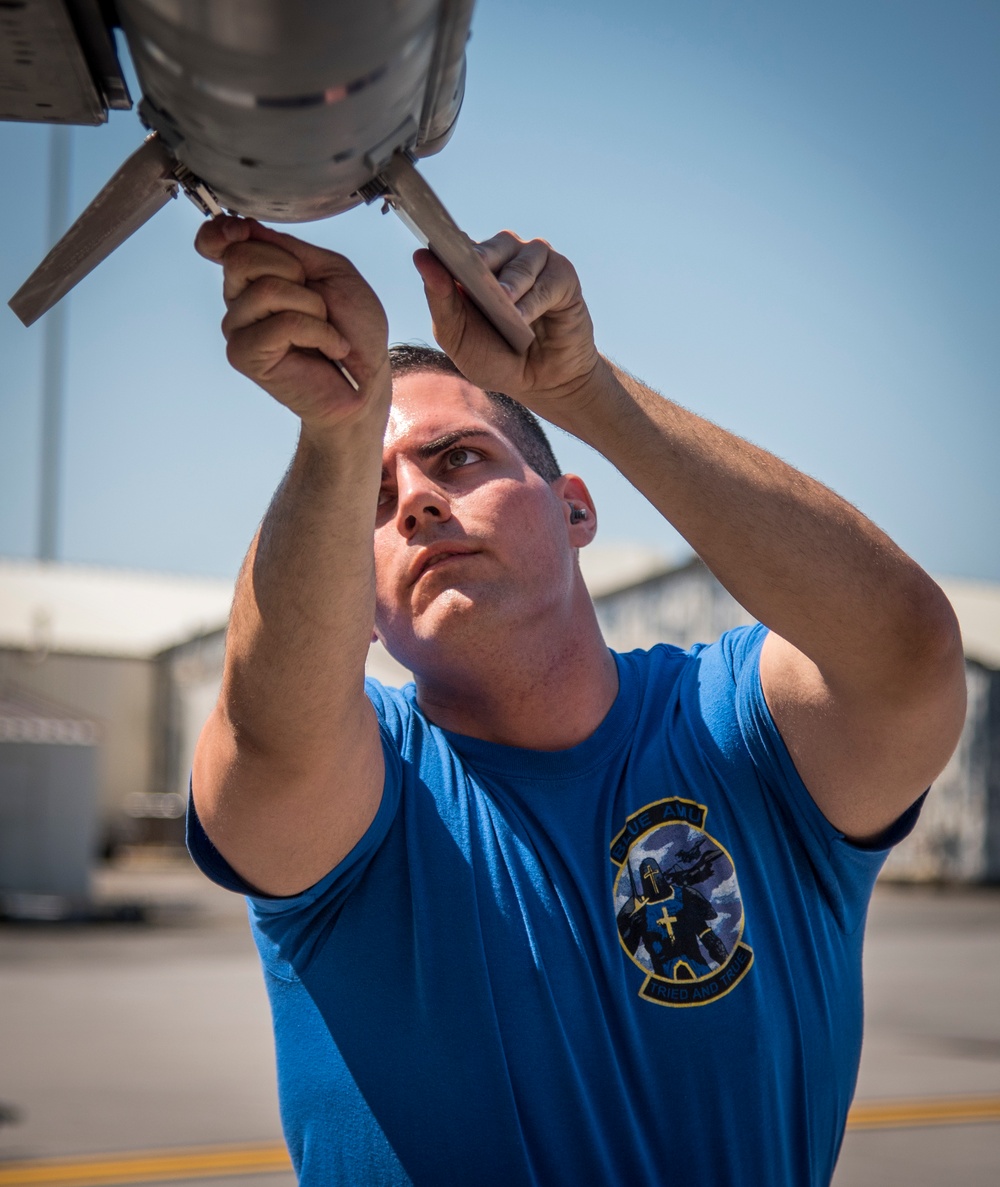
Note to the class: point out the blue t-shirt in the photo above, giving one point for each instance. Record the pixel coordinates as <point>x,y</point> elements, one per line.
<point>634,961</point>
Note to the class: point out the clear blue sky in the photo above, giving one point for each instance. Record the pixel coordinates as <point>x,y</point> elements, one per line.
<point>784,216</point>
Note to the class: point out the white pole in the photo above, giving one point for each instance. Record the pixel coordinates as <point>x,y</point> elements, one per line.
<point>53,356</point>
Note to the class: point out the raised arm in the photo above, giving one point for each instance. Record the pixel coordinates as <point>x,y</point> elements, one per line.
<point>288,770</point>
<point>863,671</point>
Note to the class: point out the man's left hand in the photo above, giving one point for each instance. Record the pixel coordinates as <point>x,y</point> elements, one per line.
<point>545,288</point>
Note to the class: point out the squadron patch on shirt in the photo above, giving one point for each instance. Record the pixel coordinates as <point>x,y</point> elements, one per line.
<point>678,905</point>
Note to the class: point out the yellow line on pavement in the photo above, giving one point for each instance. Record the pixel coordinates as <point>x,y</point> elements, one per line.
<point>944,1110</point>
<point>218,1162</point>
<point>147,1166</point>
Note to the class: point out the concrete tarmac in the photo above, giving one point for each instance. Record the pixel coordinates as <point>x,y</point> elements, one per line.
<point>138,1037</point>
<point>932,1029</point>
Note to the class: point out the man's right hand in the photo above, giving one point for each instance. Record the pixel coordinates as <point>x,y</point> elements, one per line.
<point>292,307</point>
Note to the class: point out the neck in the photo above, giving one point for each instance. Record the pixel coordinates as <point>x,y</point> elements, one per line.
<point>542,689</point>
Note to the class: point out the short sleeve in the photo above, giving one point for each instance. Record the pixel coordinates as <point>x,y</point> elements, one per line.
<point>846,870</point>
<point>338,883</point>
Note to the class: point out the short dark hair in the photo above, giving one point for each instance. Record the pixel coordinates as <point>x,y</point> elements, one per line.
<point>513,419</point>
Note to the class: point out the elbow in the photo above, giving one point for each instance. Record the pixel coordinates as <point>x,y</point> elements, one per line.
<point>929,660</point>
<point>932,636</point>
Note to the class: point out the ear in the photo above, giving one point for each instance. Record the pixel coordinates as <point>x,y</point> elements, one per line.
<point>578,508</point>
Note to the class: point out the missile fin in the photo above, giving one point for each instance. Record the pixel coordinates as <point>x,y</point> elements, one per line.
<point>143,184</point>
<point>422,211</point>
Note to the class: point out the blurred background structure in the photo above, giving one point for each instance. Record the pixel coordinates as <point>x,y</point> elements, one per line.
<point>97,647</point>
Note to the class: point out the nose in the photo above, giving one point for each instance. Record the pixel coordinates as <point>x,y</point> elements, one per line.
<point>420,501</point>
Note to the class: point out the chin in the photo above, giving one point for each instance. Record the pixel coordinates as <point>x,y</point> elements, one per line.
<point>450,611</point>
<point>452,619</point>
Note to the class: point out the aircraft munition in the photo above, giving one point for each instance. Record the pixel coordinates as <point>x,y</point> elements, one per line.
<point>281,110</point>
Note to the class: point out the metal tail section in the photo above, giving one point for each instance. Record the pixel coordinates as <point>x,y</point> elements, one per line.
<point>143,184</point>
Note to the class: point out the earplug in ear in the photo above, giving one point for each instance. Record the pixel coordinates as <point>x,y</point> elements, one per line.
<point>577,514</point>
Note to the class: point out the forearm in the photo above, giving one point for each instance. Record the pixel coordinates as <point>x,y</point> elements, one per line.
<point>797,556</point>
<point>304,605</point>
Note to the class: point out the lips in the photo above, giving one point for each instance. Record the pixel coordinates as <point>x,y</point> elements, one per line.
<point>430,558</point>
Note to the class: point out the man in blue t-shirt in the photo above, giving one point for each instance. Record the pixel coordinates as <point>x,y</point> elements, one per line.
<point>549,914</point>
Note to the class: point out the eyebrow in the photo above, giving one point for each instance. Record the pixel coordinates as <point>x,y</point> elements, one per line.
<point>436,446</point>
<point>431,448</point>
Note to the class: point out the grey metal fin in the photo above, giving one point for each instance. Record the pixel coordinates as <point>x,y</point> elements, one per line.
<point>143,184</point>
<point>421,209</point>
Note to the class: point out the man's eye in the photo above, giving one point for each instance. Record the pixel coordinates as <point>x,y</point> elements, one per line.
<point>461,457</point>
<point>384,497</point>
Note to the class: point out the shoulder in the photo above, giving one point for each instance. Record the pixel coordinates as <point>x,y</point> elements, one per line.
<point>695,698</point>
<point>411,743</point>
<point>733,651</point>
<point>396,708</point>
<point>706,677</point>
<point>389,703</point>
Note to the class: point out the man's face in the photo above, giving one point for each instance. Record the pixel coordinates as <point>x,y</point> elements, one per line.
<point>469,540</point>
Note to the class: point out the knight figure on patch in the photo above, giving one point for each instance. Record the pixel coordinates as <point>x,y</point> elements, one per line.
<point>678,906</point>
